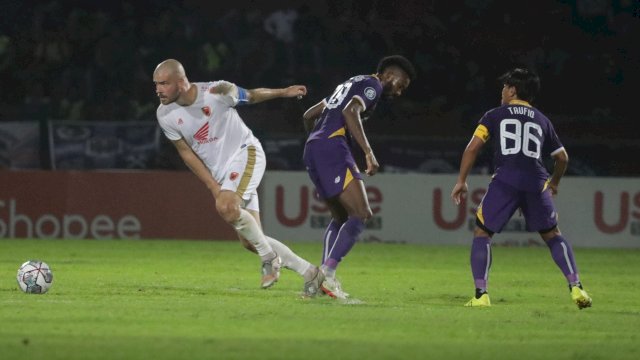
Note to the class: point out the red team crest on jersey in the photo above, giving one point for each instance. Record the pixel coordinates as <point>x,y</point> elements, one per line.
<point>233,176</point>
<point>206,111</point>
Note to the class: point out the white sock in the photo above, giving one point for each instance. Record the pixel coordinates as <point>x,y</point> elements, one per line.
<point>247,226</point>
<point>328,272</point>
<point>289,259</point>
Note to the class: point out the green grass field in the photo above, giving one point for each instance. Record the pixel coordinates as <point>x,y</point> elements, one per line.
<point>197,300</point>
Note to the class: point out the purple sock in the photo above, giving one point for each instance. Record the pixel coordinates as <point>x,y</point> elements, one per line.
<point>329,238</point>
<point>347,236</point>
<point>562,254</point>
<point>481,261</point>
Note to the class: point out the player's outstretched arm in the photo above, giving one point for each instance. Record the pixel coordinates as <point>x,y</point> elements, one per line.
<point>263,94</point>
<point>196,165</point>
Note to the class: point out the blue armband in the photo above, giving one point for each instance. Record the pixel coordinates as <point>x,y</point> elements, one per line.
<point>243,97</point>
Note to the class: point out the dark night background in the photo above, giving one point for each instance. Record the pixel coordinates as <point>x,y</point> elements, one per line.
<point>93,61</point>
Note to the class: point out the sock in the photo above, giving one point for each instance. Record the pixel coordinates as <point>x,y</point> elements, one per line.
<point>562,254</point>
<point>247,226</point>
<point>481,262</point>
<point>346,238</point>
<point>329,238</point>
<point>289,259</point>
<point>328,272</point>
<point>578,284</point>
<point>480,292</point>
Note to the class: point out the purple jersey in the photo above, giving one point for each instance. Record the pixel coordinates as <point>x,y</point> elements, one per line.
<point>520,135</point>
<point>364,88</point>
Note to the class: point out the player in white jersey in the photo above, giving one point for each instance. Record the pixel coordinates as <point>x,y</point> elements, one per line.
<point>203,124</point>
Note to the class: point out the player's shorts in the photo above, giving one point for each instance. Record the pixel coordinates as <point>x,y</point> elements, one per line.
<point>244,174</point>
<point>330,165</point>
<point>502,200</point>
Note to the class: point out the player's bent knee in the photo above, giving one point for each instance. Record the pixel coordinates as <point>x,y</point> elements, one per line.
<point>228,211</point>
<point>479,232</point>
<point>550,233</point>
<point>364,214</point>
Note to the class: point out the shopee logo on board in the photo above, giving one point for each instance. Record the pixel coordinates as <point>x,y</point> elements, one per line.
<point>69,226</point>
<point>626,211</point>
<point>308,206</point>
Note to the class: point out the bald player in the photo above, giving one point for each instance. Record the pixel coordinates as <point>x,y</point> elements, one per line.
<point>334,123</point>
<point>202,122</point>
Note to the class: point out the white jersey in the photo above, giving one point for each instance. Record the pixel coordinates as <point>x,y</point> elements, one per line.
<point>211,125</point>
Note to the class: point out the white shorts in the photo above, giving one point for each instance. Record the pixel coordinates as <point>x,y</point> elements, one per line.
<point>244,174</point>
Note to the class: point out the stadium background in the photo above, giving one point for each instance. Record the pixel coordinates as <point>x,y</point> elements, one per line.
<point>78,95</point>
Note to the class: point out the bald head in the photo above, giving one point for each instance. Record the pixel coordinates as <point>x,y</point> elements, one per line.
<point>170,67</point>
<point>171,82</point>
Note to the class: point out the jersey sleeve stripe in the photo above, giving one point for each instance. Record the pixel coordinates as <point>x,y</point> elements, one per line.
<point>557,150</point>
<point>364,105</point>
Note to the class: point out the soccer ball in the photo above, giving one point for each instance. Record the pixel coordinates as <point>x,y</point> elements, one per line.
<point>35,277</point>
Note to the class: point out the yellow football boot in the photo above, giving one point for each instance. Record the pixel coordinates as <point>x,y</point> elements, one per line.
<point>483,301</point>
<point>580,297</point>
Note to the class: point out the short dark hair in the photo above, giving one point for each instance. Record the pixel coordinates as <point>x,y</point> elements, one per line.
<point>399,61</point>
<point>526,82</point>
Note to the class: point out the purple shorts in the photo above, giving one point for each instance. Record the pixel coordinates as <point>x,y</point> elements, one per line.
<point>330,165</point>
<point>502,200</point>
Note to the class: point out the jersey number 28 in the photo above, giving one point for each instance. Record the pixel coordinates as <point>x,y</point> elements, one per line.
<point>338,95</point>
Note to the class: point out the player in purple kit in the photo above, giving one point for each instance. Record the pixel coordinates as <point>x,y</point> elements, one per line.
<point>520,135</point>
<point>333,123</point>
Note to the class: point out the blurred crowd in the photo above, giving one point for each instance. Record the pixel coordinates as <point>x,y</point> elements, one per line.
<point>94,60</point>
